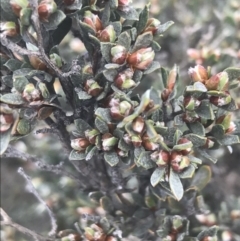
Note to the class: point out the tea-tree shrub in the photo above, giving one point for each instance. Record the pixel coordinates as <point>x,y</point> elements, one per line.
<point>141,158</point>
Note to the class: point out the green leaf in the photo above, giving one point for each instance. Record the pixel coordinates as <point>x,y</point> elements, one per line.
<point>111,158</point>
<point>155,46</point>
<point>163,27</point>
<point>91,153</point>
<point>124,39</point>
<point>152,67</point>
<point>12,99</point>
<point>194,159</point>
<point>106,15</point>
<point>82,126</point>
<point>137,76</point>
<point>188,172</point>
<point>123,145</point>
<point>212,231</point>
<point>106,51</point>
<point>54,20</point>
<point>233,73</point>
<point>13,64</point>
<point>183,146</point>
<point>75,155</point>
<point>229,140</point>
<point>130,14</point>
<point>101,125</point>
<point>205,110</point>
<point>19,83</point>
<point>95,41</point>
<point>82,95</point>
<point>204,154</point>
<point>145,160</point>
<point>7,80</point>
<point>197,128</point>
<point>117,27</point>
<point>104,114</point>
<point>202,177</point>
<point>143,18</point>
<point>110,74</point>
<point>232,106</point>
<point>143,41</point>
<point>218,131</point>
<point>196,139</point>
<point>4,140</point>
<point>176,185</point>
<point>157,176</point>
<point>23,127</point>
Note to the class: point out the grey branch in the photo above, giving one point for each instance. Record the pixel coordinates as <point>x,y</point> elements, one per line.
<point>7,221</point>
<point>53,230</point>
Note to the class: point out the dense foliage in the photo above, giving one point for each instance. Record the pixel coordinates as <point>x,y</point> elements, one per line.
<point>141,155</point>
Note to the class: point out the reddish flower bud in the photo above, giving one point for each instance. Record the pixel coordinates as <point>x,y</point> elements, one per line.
<point>93,21</point>
<point>141,59</point>
<point>185,141</point>
<point>124,81</point>
<point>119,54</point>
<point>178,161</point>
<point>17,5</point>
<point>165,94</point>
<point>123,5</point>
<point>122,153</point>
<point>138,124</point>
<point>136,140</point>
<point>46,8</point>
<point>108,142</point>
<point>91,135</point>
<point>198,73</point>
<point>190,103</point>
<point>220,101</point>
<point>161,157</point>
<point>122,110</point>
<point>218,82</point>
<point>10,29</point>
<point>30,93</point>
<point>92,87</point>
<point>190,117</point>
<point>6,120</point>
<point>80,144</point>
<point>108,34</point>
<point>37,63</point>
<point>152,25</point>
<point>148,144</point>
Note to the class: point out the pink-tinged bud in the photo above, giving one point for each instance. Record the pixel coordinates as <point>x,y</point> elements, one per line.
<point>171,80</point>
<point>165,94</point>
<point>198,73</point>
<point>136,140</point>
<point>30,93</point>
<point>69,2</point>
<point>218,82</point>
<point>124,81</point>
<point>178,161</point>
<point>108,142</point>
<point>235,214</point>
<point>112,101</point>
<point>232,128</point>
<point>123,5</point>
<point>227,235</point>
<point>141,59</point>
<point>190,103</point>
<point>93,21</point>
<point>10,29</point>
<point>80,144</point>
<point>185,141</point>
<point>46,8</point>
<point>37,63</point>
<point>161,157</point>
<point>108,34</point>
<point>194,54</point>
<point>209,143</point>
<point>190,117</point>
<point>122,153</point>
<point>220,101</point>
<point>138,124</point>
<point>148,144</point>
<point>17,5</point>
<point>91,135</point>
<point>152,25</point>
<point>6,120</point>
<point>119,54</point>
<point>122,110</point>
<point>93,88</point>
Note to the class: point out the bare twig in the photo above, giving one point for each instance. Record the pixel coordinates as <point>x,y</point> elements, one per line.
<point>53,230</point>
<point>7,221</point>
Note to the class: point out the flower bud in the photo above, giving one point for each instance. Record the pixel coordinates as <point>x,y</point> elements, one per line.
<point>119,54</point>
<point>152,25</point>
<point>124,81</point>
<point>80,144</point>
<point>46,8</point>
<point>122,110</point>
<point>93,88</point>
<point>220,101</point>
<point>30,93</point>
<point>123,5</point>
<point>178,161</point>
<point>93,21</point>
<point>185,141</point>
<point>56,59</point>
<point>209,143</point>
<point>108,34</point>
<point>141,59</point>
<point>87,69</point>
<point>10,29</point>
<point>37,63</point>
<point>17,5</point>
<point>198,73</point>
<point>91,135</point>
<point>190,103</point>
<point>218,82</point>
<point>148,144</point>
<point>6,120</point>
<point>165,94</point>
<point>108,142</point>
<point>138,124</point>
<point>122,153</point>
<point>190,117</point>
<point>161,157</point>
<point>136,140</point>
<point>235,214</point>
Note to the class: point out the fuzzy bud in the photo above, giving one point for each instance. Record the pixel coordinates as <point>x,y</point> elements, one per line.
<point>30,93</point>
<point>152,25</point>
<point>187,142</point>
<point>165,94</point>
<point>87,69</point>
<point>138,124</point>
<point>119,54</point>
<point>190,117</point>
<point>161,157</point>
<point>93,21</point>
<point>6,120</point>
<point>124,81</point>
<point>220,101</point>
<point>46,8</point>
<point>141,59</point>
<point>218,82</point>
<point>10,29</point>
<point>198,73</point>
<point>108,142</point>
<point>108,34</point>
<point>148,144</point>
<point>123,5</point>
<point>17,5</point>
<point>92,87</point>
<point>37,63</point>
<point>178,161</point>
<point>136,140</point>
<point>80,144</point>
<point>91,135</point>
<point>122,110</point>
<point>190,103</point>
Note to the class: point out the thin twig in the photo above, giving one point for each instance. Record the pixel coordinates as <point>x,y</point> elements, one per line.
<point>5,215</point>
<point>53,230</point>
